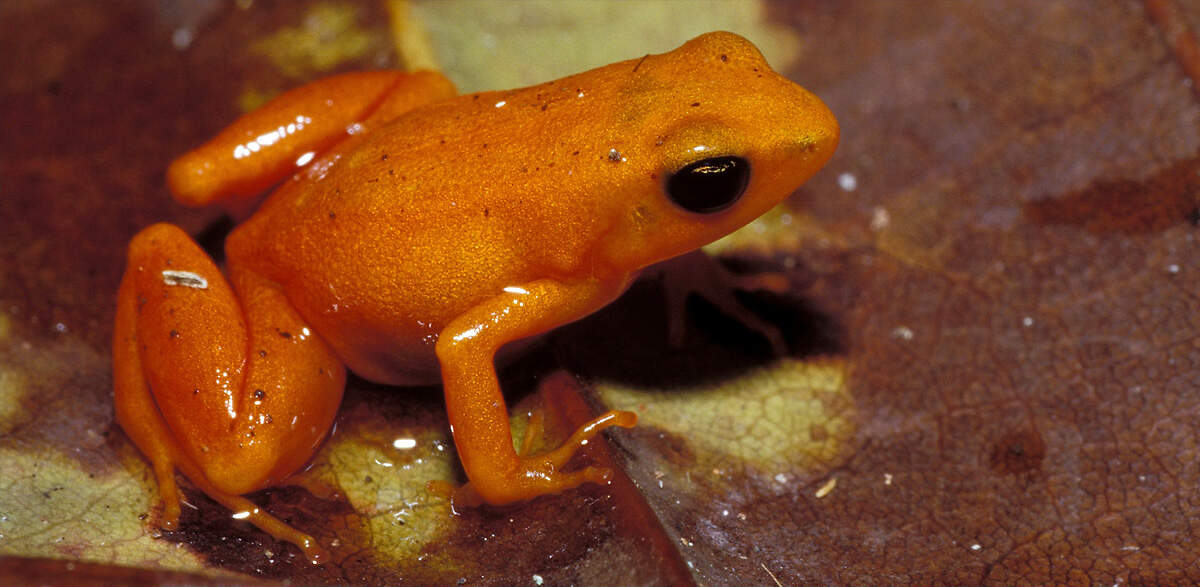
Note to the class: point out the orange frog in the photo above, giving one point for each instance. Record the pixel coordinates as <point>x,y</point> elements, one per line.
<point>414,235</point>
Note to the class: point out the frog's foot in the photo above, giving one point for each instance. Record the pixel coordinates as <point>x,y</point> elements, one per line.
<point>697,273</point>
<point>559,456</point>
<point>463,496</point>
<point>318,488</point>
<point>244,509</point>
<point>536,475</point>
<point>542,474</point>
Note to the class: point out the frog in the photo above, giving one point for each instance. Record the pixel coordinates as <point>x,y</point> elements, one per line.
<point>416,236</point>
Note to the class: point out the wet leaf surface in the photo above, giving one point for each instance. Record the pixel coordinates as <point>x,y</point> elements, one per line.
<point>989,298</point>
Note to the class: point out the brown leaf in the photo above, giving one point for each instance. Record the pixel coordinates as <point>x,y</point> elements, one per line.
<point>991,307</point>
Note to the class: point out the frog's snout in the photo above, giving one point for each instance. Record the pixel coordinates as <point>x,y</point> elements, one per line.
<point>821,137</point>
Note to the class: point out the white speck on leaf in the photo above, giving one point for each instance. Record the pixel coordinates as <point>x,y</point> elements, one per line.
<point>827,488</point>
<point>847,182</point>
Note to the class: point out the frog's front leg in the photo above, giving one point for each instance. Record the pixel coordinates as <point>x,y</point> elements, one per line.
<point>703,275</point>
<point>478,415</point>
<point>226,384</point>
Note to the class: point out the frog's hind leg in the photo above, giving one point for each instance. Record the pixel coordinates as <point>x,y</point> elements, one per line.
<point>231,389</point>
<point>135,408</point>
<point>269,144</point>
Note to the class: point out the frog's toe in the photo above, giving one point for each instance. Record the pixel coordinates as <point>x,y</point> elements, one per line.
<point>559,456</point>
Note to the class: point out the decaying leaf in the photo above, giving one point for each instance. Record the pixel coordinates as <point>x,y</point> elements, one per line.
<point>990,300</point>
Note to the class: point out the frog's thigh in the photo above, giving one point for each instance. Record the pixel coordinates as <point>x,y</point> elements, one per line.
<point>245,395</point>
<point>294,385</point>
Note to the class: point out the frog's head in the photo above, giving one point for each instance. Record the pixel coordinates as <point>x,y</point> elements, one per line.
<point>711,139</point>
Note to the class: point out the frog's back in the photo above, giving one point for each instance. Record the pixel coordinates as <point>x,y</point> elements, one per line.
<point>426,216</point>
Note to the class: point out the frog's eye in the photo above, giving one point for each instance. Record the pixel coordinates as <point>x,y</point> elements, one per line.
<point>709,185</point>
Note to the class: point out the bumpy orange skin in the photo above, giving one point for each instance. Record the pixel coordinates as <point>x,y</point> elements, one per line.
<point>415,234</point>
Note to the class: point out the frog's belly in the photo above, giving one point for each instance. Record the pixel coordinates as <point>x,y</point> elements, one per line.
<point>394,356</point>
<point>382,299</point>
<point>397,357</point>
<point>393,366</point>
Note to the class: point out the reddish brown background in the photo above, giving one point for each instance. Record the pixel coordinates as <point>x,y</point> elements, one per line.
<point>1011,293</point>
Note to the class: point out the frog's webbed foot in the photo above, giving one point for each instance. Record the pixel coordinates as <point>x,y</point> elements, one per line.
<point>244,509</point>
<point>165,463</point>
<point>546,468</point>
<point>170,498</point>
<point>549,465</point>
<point>699,274</point>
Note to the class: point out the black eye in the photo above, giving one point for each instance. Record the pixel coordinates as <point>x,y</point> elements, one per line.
<point>709,185</point>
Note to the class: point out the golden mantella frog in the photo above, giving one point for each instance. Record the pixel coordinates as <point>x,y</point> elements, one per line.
<point>416,233</point>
